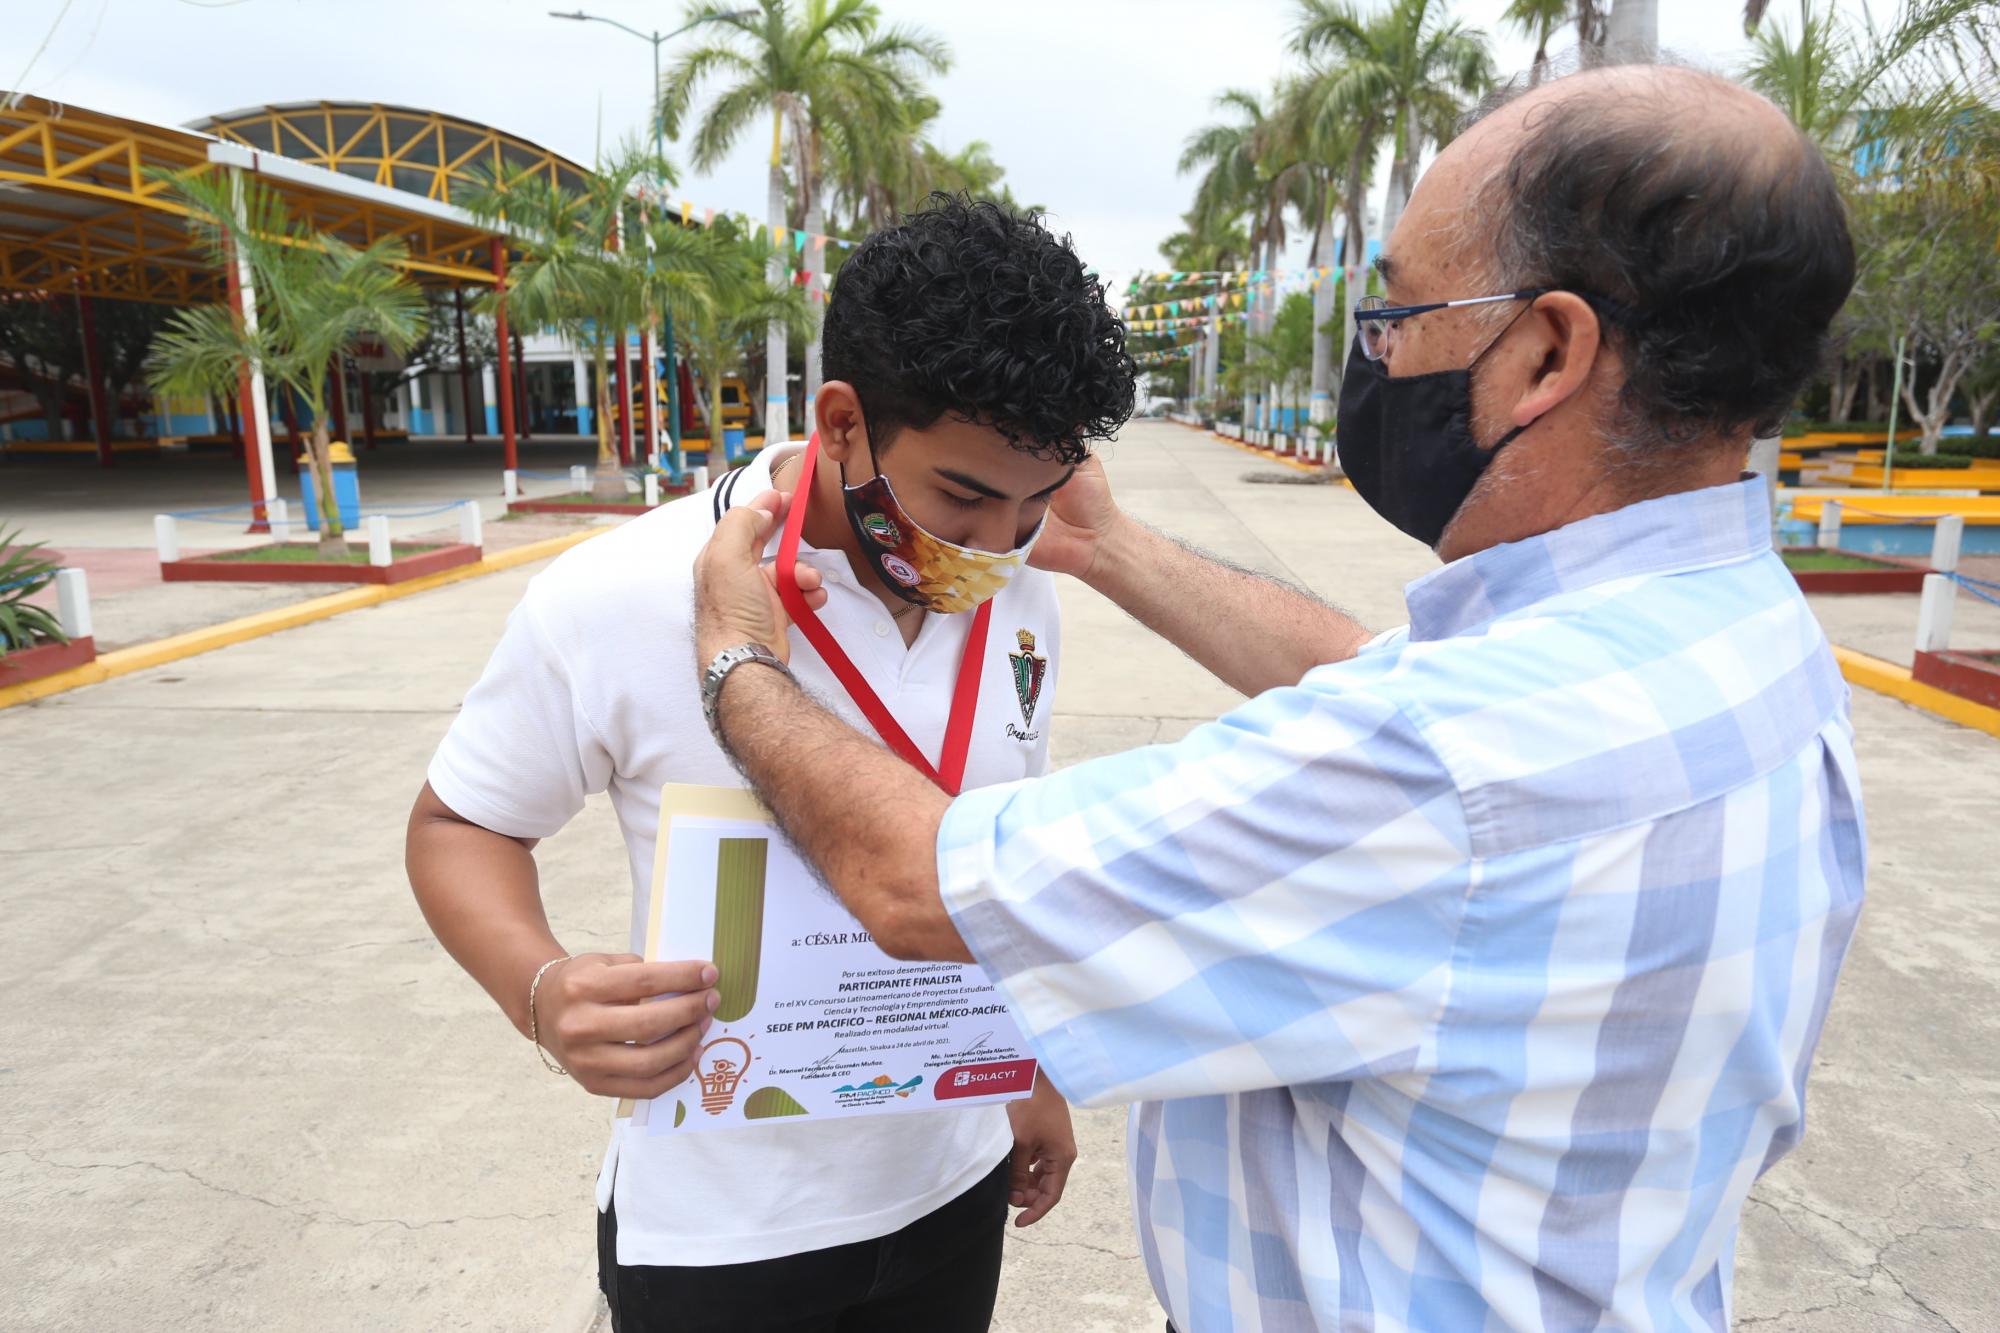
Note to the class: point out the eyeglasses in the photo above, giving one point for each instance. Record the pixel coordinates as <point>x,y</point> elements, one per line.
<point>1374,317</point>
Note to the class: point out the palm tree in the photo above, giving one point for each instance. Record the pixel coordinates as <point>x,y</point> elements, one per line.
<point>1253,168</point>
<point>1338,158</point>
<point>563,282</point>
<point>740,302</point>
<point>826,70</point>
<point>1541,20</point>
<point>316,297</point>
<point>1410,64</point>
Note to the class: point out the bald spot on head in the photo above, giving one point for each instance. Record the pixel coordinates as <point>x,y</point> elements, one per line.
<point>1688,108</point>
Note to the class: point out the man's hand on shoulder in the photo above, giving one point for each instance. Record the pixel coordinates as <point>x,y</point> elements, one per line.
<point>735,594</point>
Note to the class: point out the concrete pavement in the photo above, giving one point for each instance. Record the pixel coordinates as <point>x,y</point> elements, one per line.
<point>241,1086</point>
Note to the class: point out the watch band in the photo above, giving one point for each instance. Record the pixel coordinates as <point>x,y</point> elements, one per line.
<point>727,661</point>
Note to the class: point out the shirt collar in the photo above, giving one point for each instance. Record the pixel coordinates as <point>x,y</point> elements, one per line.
<point>1688,530</point>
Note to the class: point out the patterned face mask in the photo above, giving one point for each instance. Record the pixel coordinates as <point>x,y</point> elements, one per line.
<point>919,566</point>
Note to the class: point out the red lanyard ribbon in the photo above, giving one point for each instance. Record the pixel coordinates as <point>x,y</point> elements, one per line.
<point>950,770</point>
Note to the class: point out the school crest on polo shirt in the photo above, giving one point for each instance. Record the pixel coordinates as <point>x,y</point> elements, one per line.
<point>1030,670</point>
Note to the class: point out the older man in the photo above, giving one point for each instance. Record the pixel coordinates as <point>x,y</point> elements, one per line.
<point>1468,975</point>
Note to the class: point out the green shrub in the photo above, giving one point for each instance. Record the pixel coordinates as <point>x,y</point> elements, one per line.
<point>23,574</point>
<point>1851,427</point>
<point>1933,462</point>
<point>1970,446</point>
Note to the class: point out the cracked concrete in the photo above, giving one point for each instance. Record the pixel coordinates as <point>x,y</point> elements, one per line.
<point>242,1088</point>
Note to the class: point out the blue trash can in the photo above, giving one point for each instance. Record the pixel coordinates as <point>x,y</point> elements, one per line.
<point>732,443</point>
<point>346,487</point>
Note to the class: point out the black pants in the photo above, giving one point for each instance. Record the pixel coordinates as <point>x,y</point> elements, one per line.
<point>939,1274</point>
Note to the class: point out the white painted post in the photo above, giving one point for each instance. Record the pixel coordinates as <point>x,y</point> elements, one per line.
<point>73,603</point>
<point>1934,614</point>
<point>470,529</point>
<point>1945,541</point>
<point>378,539</point>
<point>1829,525</point>
<point>281,520</point>
<point>652,488</point>
<point>166,538</point>
<point>701,477</point>
<point>579,478</point>
<point>510,485</point>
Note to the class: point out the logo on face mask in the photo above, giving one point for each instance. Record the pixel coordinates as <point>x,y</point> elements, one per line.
<point>882,528</point>
<point>901,572</point>
<point>1030,670</point>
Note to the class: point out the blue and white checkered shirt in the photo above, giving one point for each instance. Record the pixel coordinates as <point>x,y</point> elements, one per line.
<point>1468,984</point>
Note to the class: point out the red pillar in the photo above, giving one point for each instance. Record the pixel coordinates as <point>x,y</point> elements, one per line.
<point>464,367</point>
<point>503,386</point>
<point>367,406</point>
<point>246,409</point>
<point>646,389</point>
<point>93,375</point>
<point>624,400</point>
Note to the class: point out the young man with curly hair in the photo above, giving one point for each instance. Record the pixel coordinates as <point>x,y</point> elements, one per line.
<point>970,363</point>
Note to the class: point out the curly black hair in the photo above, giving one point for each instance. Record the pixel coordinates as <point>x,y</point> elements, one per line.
<point>972,309</point>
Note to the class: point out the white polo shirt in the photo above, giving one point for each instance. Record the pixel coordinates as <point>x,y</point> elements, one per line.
<point>594,687</point>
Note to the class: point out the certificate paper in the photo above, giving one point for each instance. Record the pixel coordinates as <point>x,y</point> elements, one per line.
<point>815,1020</point>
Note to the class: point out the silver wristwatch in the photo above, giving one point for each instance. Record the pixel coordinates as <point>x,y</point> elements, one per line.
<point>725,662</point>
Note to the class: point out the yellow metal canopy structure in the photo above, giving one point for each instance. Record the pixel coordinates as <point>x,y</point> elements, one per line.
<point>418,152</point>
<point>84,207</point>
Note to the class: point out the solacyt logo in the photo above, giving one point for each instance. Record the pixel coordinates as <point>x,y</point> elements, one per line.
<point>994,1079</point>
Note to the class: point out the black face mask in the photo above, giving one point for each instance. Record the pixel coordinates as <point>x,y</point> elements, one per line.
<point>1406,442</point>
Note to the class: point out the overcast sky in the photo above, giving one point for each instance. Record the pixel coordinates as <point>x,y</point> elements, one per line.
<point>1085,102</point>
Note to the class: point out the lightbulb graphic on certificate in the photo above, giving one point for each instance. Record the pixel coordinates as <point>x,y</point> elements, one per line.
<point>815,1021</point>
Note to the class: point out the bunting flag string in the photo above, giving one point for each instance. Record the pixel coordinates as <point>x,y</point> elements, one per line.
<point>781,237</point>
<point>1157,285</point>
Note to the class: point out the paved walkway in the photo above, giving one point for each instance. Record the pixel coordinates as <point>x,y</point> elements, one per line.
<point>242,1087</point>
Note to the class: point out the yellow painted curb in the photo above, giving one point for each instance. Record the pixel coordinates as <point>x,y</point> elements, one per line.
<point>143,656</point>
<point>1872,673</point>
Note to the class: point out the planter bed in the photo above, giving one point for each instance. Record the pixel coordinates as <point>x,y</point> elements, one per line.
<point>26,664</point>
<point>298,563</point>
<point>1818,570</point>
<point>1974,676</point>
<point>581,503</point>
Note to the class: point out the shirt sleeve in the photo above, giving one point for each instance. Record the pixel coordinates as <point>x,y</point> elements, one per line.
<point>1272,901</point>
<point>521,755</point>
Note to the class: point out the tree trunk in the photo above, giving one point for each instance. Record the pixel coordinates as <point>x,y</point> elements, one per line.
<point>1211,363</point>
<point>713,371</point>
<point>1935,412</point>
<point>815,259</point>
<point>1982,405</point>
<point>1846,380</point>
<point>332,544</point>
<point>777,426</point>
<point>1353,254</point>
<point>1253,305</point>
<point>1632,32</point>
<point>1400,170</point>
<point>607,482</point>
<point>1323,313</point>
